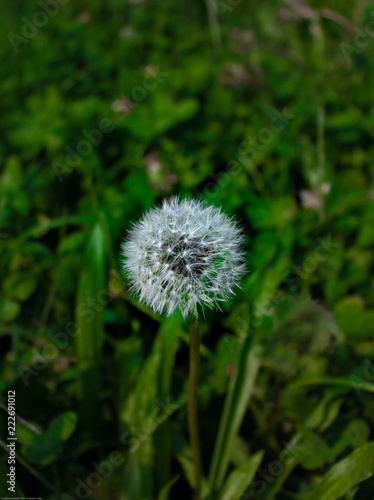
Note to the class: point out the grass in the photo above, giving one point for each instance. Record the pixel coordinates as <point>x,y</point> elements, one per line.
<point>261,108</point>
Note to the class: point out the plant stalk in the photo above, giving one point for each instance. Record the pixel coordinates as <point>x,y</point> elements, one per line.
<point>193,386</point>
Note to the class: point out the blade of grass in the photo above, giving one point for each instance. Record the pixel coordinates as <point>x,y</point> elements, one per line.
<point>145,413</point>
<point>240,478</point>
<point>184,457</point>
<point>237,398</point>
<point>35,231</point>
<point>322,415</point>
<point>90,327</point>
<point>346,474</point>
<point>336,381</point>
<point>164,494</point>
<point>169,344</point>
<point>214,26</point>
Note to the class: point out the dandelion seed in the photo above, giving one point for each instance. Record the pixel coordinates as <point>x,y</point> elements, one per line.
<point>192,251</point>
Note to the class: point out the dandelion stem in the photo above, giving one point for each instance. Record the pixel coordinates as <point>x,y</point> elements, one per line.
<point>193,386</point>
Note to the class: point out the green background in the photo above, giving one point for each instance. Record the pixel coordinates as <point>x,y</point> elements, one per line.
<point>263,108</point>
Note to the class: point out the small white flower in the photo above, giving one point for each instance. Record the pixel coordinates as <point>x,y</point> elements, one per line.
<point>183,255</point>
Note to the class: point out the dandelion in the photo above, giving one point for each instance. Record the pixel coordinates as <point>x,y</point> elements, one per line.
<point>184,255</point>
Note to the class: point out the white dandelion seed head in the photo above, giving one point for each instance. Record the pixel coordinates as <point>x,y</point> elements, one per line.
<point>184,255</point>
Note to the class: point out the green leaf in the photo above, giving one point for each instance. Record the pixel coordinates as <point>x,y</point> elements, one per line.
<point>240,478</point>
<point>24,434</point>
<point>12,177</point>
<point>355,435</point>
<point>43,450</point>
<point>20,286</point>
<point>91,299</point>
<point>267,277</point>
<point>336,381</point>
<point>353,319</point>
<point>63,426</point>
<point>169,340</point>
<point>238,395</point>
<point>320,418</point>
<point>148,409</point>
<point>346,474</point>
<point>184,458</point>
<point>9,310</point>
<point>264,249</point>
<point>41,229</point>
<point>312,450</point>
<point>357,432</point>
<point>166,489</point>
<point>350,495</point>
<point>271,213</point>
<point>330,413</point>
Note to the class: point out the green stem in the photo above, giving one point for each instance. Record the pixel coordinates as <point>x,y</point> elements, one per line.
<point>215,28</point>
<point>193,386</point>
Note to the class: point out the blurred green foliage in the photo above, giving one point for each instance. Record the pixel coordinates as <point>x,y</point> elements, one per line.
<point>262,108</point>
